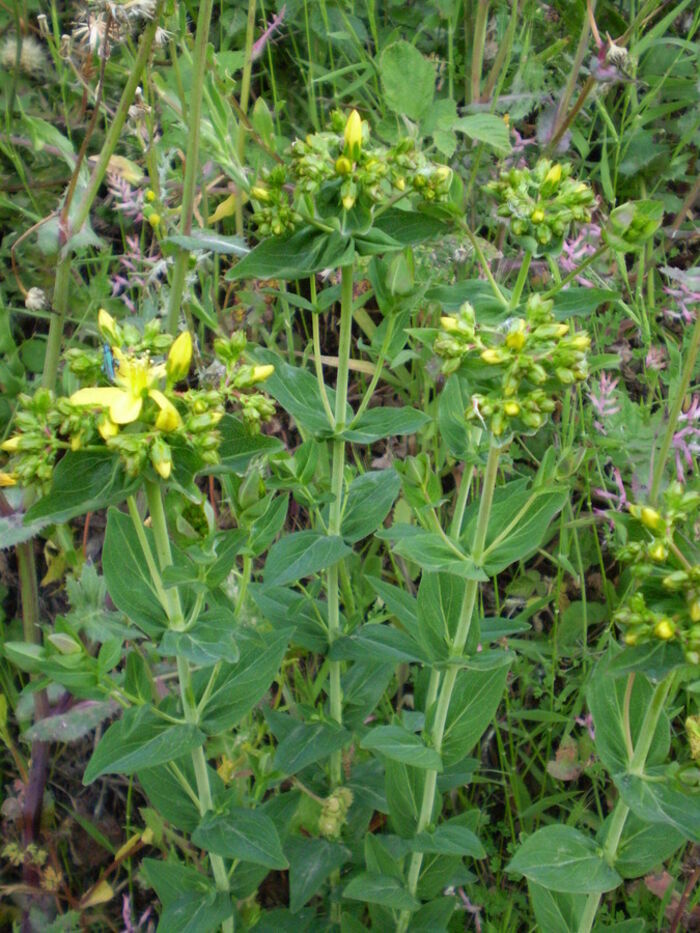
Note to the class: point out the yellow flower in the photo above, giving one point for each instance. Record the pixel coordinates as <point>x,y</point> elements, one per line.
<point>179,358</point>
<point>8,479</point>
<point>664,629</point>
<point>353,135</point>
<point>136,380</point>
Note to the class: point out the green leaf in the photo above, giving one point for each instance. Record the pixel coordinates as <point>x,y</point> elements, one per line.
<point>561,858</point>
<point>655,659</point>
<point>410,96</point>
<point>71,725</point>
<point>433,917</point>
<point>404,793</point>
<point>453,401</point>
<point>307,743</point>
<point>140,739</point>
<point>311,861</point>
<point>381,642</point>
<point>399,603</point>
<point>440,601</point>
<point>518,526</point>
<point>195,912</point>
<point>606,701</point>
<point>578,301</point>
<point>210,241</point>
<point>369,500</point>
<point>170,879</point>
<point>305,252</point>
<point>210,639</point>
<point>474,702</point>
<point>238,446</point>
<point>282,606</point>
<point>380,889</point>
<point>83,481</point>
<point>409,228</point>
<point>449,839</point>
<point>430,551</point>
<point>302,554</point>
<point>14,530</point>
<point>297,391</point>
<point>240,833</point>
<point>236,688</point>
<point>399,744</point>
<point>126,574</point>
<point>654,799</point>
<point>554,911</point>
<point>643,846</point>
<point>485,128</point>
<point>378,423</point>
<point>167,795</point>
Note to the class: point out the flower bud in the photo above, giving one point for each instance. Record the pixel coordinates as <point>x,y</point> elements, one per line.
<point>179,358</point>
<point>516,337</point>
<point>11,445</point>
<point>7,479</point>
<point>511,409</point>
<point>353,136</point>
<point>492,356</point>
<point>537,215</point>
<point>108,327</point>
<point>694,610</point>
<point>154,219</point>
<point>348,201</point>
<point>343,165</point>
<point>664,629</point>
<point>692,730</point>
<point>658,552</point>
<point>553,176</point>
<point>161,458</point>
<point>261,373</point>
<point>260,193</point>
<point>449,323</point>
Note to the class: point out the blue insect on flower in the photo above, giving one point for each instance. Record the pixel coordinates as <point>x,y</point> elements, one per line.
<point>109,364</point>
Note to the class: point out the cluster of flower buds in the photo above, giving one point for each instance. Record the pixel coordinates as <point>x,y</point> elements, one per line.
<point>274,213</point>
<point>669,606</point>
<point>139,414</point>
<point>338,166</point>
<point>528,360</point>
<point>541,203</point>
<point>334,812</point>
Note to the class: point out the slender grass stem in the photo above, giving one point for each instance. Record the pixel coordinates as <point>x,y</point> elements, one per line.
<point>177,285</point>
<point>446,689</point>
<point>336,507</point>
<point>520,282</point>
<point>243,104</point>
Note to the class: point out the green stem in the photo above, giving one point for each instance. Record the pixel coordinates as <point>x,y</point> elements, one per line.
<point>672,421</point>
<point>191,160</point>
<point>621,811</point>
<point>450,678</point>
<point>162,542</point>
<point>560,124</point>
<point>484,264</point>
<point>520,282</point>
<point>336,507</point>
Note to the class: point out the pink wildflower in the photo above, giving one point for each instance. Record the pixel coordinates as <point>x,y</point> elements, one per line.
<point>604,403</point>
<point>686,441</point>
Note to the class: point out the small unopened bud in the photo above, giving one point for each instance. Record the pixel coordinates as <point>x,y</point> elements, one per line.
<point>260,193</point>
<point>179,358</point>
<point>658,552</point>
<point>353,135</point>
<point>492,356</point>
<point>651,518</point>
<point>553,176</point>
<point>154,219</point>
<point>664,629</point>
<point>511,409</point>
<point>108,327</point>
<point>261,373</point>
<point>449,323</point>
<point>348,201</point>
<point>537,215</point>
<point>343,165</point>
<point>161,458</point>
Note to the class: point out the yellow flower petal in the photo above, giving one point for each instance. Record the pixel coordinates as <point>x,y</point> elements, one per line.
<point>125,408</point>
<point>8,479</point>
<point>169,417</point>
<point>96,396</point>
<point>11,445</point>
